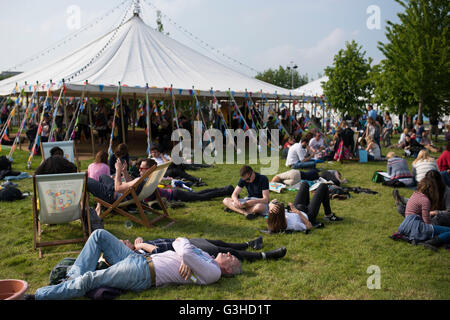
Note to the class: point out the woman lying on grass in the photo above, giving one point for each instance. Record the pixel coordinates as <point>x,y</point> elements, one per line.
<point>302,214</point>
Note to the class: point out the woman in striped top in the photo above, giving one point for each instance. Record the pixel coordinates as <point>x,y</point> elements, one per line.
<point>423,163</point>
<point>417,223</point>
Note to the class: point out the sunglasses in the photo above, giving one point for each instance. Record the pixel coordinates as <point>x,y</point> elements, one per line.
<point>249,178</point>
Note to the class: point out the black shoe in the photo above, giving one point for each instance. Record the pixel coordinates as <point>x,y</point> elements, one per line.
<point>275,254</point>
<point>398,198</point>
<point>29,297</point>
<point>433,244</point>
<point>333,217</point>
<point>226,209</point>
<point>256,244</point>
<point>251,216</point>
<point>318,225</point>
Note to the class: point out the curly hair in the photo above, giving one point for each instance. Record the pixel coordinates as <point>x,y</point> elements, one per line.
<point>276,220</point>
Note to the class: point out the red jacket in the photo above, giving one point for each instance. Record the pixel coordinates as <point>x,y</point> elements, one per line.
<point>444,161</point>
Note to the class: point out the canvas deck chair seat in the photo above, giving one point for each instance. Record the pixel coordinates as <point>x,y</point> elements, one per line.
<point>59,199</point>
<point>68,148</point>
<point>149,182</point>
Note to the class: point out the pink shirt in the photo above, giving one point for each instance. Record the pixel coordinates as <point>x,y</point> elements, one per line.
<point>419,204</point>
<point>95,170</point>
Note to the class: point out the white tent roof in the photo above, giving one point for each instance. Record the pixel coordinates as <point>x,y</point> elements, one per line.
<point>311,89</point>
<point>135,54</point>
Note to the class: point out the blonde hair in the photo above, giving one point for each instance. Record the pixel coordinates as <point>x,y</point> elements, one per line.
<point>390,155</point>
<point>423,156</point>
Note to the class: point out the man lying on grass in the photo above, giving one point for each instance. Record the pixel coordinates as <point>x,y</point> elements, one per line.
<point>212,247</point>
<point>135,272</point>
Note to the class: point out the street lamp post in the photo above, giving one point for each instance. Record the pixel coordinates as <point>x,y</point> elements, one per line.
<point>291,68</point>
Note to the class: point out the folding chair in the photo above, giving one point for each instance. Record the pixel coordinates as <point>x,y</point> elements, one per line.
<point>62,199</point>
<point>150,181</point>
<point>68,148</point>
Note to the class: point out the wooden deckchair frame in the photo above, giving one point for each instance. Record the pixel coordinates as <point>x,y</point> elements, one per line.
<point>75,154</point>
<point>37,227</point>
<point>143,220</point>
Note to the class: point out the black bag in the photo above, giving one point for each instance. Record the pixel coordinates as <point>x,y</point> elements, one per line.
<point>59,272</point>
<point>5,164</point>
<point>393,183</point>
<point>10,194</point>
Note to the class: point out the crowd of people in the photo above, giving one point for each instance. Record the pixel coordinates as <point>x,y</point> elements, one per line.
<point>140,265</point>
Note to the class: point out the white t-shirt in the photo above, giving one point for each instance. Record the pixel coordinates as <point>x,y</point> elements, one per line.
<point>313,143</point>
<point>160,160</point>
<point>295,154</point>
<point>294,222</point>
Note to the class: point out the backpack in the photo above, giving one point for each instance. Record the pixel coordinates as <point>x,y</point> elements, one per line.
<point>377,177</point>
<point>5,164</point>
<point>10,194</point>
<point>59,272</point>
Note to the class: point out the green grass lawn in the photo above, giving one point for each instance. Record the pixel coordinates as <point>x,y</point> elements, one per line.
<point>328,263</point>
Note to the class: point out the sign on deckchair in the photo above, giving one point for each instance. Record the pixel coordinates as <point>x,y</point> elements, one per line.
<point>60,197</point>
<point>66,146</point>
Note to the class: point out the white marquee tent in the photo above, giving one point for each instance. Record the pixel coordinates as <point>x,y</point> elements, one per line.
<point>311,89</point>
<point>135,55</point>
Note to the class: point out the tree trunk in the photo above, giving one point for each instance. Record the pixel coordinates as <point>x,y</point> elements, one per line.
<point>419,112</point>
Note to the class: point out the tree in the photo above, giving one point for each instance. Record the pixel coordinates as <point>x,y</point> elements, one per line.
<point>349,88</point>
<point>417,63</point>
<point>159,23</point>
<point>285,78</point>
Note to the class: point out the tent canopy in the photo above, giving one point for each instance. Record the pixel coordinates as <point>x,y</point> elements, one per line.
<point>135,55</point>
<point>311,89</point>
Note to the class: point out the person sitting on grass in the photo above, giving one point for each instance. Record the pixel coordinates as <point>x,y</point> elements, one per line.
<point>422,164</point>
<point>398,170</point>
<point>174,171</point>
<point>56,164</point>
<point>212,247</point>
<point>440,211</point>
<point>317,146</point>
<point>443,163</point>
<point>257,202</point>
<point>302,214</point>
<point>417,224</point>
<point>135,272</point>
<point>426,142</point>
<point>301,156</point>
<point>121,153</point>
<point>373,150</point>
<point>99,166</point>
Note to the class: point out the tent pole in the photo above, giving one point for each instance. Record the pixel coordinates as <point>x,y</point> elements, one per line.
<point>121,119</point>
<point>91,129</point>
<point>134,114</point>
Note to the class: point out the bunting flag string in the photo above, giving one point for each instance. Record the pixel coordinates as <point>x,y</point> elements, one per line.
<point>115,105</point>
<point>38,134</point>
<point>53,127</point>
<point>241,117</point>
<point>22,125</point>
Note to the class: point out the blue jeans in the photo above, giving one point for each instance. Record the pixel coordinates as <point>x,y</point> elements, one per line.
<point>128,270</point>
<point>442,233</point>
<point>103,188</point>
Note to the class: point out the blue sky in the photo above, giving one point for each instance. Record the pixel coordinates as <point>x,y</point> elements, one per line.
<point>257,34</point>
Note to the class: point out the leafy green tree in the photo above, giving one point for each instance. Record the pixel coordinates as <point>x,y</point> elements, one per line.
<point>283,77</point>
<point>349,87</point>
<point>159,23</point>
<point>417,64</point>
